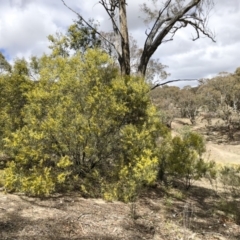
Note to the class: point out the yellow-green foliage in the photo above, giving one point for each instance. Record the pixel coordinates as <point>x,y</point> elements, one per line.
<point>14,87</point>
<point>81,118</point>
<point>137,165</point>
<point>182,157</point>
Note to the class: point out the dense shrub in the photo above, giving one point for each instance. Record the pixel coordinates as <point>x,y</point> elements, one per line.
<point>84,126</point>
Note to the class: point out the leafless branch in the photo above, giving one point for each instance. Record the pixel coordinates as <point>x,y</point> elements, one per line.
<point>197,28</point>
<point>157,24</point>
<point>171,81</point>
<point>110,12</point>
<point>178,19</point>
<point>168,40</point>
<point>90,26</point>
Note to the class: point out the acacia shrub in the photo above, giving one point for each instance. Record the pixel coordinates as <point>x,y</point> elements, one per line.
<point>84,126</point>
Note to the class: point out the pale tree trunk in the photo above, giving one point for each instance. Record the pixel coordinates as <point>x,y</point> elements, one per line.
<point>124,60</point>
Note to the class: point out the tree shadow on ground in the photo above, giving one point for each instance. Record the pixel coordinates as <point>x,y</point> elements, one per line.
<point>32,218</point>
<point>200,210</point>
<point>54,201</point>
<point>203,211</point>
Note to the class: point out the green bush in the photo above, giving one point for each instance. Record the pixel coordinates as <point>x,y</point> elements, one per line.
<point>181,158</point>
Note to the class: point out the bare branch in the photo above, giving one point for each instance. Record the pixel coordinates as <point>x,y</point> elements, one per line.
<point>168,40</point>
<point>179,18</point>
<point>90,26</point>
<point>157,25</point>
<point>197,28</point>
<point>171,81</point>
<point>110,12</point>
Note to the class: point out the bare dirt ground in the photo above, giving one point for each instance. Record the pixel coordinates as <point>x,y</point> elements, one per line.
<point>195,215</point>
<point>158,214</point>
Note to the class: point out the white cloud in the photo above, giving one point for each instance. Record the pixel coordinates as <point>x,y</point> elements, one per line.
<point>25,25</point>
<point>23,30</point>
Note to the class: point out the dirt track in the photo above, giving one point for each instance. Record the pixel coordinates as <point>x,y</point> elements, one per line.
<point>224,152</point>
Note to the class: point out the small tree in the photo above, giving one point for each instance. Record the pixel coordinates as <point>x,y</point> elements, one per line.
<point>184,160</point>
<point>166,100</point>
<point>189,102</point>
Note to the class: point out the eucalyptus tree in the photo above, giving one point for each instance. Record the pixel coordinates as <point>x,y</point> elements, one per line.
<point>165,18</point>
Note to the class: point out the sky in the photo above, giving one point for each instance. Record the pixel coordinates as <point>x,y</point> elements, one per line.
<point>25,25</point>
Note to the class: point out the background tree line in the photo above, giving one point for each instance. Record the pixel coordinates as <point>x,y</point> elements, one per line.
<point>217,97</point>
